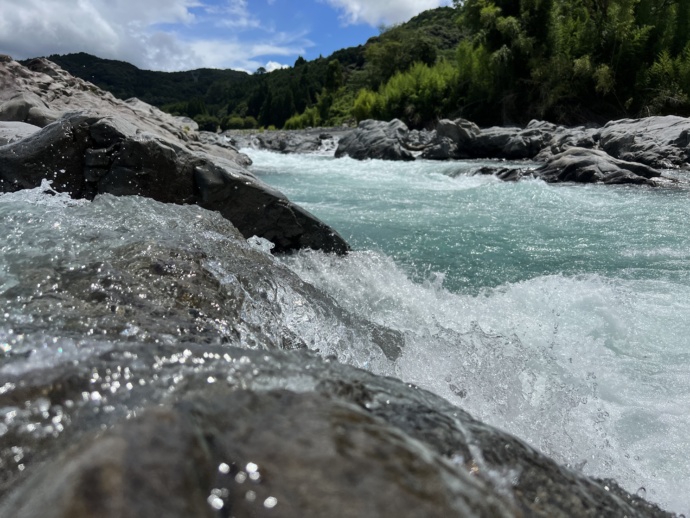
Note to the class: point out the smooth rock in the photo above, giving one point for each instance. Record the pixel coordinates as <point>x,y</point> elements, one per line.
<point>660,142</point>
<point>376,140</point>
<point>594,166</point>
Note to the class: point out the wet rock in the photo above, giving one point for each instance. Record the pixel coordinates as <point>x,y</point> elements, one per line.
<point>507,174</point>
<point>565,138</point>
<point>14,131</point>
<point>132,148</point>
<point>594,166</point>
<point>376,139</point>
<point>659,142</point>
<point>248,433</point>
<point>453,139</point>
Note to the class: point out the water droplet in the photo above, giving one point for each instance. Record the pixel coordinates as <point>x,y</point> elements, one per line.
<point>270,502</point>
<point>215,502</point>
<point>250,496</point>
<point>642,492</point>
<point>252,468</point>
<point>224,468</point>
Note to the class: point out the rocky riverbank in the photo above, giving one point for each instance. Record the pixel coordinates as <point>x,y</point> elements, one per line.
<point>625,151</point>
<point>154,361</point>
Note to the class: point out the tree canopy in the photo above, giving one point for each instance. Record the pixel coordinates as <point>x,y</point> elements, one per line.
<point>492,61</point>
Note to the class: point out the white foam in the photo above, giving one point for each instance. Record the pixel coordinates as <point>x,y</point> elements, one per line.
<point>592,371</point>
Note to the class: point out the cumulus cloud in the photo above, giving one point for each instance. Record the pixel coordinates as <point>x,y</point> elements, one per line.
<point>151,34</point>
<point>376,12</point>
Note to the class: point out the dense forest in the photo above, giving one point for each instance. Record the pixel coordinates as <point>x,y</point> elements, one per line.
<point>491,61</point>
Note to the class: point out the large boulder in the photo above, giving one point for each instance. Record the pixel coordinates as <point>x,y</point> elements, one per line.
<point>132,148</point>
<point>86,155</point>
<point>249,433</point>
<point>594,166</point>
<point>660,142</point>
<point>376,139</point>
<point>539,140</point>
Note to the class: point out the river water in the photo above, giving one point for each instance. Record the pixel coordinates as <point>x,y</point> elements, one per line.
<point>559,313</point>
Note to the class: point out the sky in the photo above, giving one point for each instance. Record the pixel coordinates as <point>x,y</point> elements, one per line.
<point>187,34</point>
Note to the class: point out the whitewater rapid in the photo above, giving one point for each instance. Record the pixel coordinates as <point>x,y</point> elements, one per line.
<point>556,312</point>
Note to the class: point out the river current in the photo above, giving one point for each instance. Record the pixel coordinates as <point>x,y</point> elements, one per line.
<point>559,313</point>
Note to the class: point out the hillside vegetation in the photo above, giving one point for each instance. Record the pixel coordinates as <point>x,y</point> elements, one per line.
<point>492,61</point>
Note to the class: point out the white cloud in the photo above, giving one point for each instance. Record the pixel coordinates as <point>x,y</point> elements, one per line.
<point>376,12</point>
<point>125,29</point>
<point>274,65</point>
<point>151,34</point>
<point>234,14</point>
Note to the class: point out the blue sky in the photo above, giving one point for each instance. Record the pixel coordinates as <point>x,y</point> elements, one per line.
<point>186,34</point>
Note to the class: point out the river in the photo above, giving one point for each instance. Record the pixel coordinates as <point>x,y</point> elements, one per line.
<point>559,313</point>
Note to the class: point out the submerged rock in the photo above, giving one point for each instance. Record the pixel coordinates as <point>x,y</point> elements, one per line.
<point>131,148</point>
<point>376,139</point>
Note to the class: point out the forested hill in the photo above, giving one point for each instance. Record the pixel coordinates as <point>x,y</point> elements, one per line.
<point>124,80</point>
<point>326,85</point>
<point>491,61</point>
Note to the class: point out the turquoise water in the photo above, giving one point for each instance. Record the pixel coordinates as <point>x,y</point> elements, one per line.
<point>557,312</point>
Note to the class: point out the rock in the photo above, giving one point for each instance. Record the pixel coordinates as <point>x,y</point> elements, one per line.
<point>507,174</point>
<point>565,138</point>
<point>282,433</point>
<point>14,131</point>
<point>594,166</point>
<point>287,142</point>
<point>459,131</point>
<point>462,139</point>
<point>132,148</point>
<point>377,140</point>
<point>443,148</point>
<point>86,156</point>
<point>659,142</point>
<point>29,108</point>
<point>418,140</point>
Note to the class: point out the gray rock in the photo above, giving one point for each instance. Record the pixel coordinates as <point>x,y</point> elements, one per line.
<point>281,432</point>
<point>14,131</point>
<point>418,140</point>
<point>660,142</point>
<point>376,139</point>
<point>29,108</point>
<point>85,156</point>
<point>461,139</point>
<point>453,140</point>
<point>565,138</point>
<point>594,166</point>
<point>132,148</point>
<point>459,131</point>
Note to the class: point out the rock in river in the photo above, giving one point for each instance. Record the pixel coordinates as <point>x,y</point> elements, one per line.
<point>594,166</point>
<point>376,139</point>
<point>130,148</point>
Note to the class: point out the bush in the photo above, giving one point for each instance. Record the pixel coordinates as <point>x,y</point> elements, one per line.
<point>232,123</point>
<point>207,122</point>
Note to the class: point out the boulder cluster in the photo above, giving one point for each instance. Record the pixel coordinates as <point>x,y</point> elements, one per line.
<point>625,151</point>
